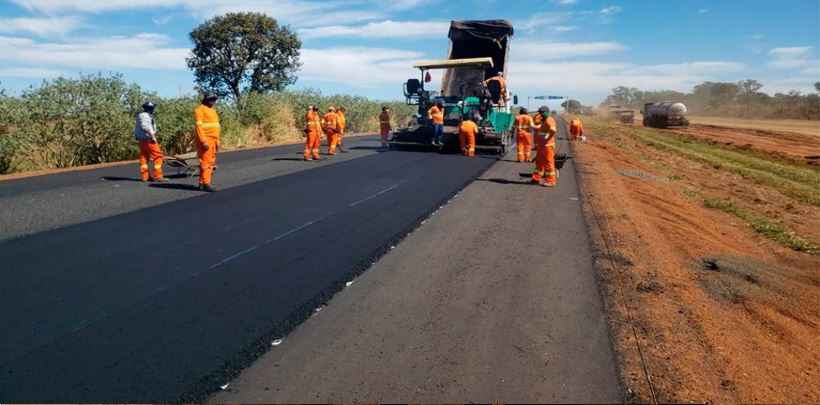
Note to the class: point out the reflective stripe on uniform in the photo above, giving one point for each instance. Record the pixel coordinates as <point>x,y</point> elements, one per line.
<point>208,125</point>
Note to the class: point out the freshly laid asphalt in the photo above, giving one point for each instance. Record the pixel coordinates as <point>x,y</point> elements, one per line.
<point>114,291</point>
<point>163,300</point>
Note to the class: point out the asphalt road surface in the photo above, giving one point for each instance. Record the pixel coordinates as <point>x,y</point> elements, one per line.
<point>493,299</point>
<point>114,291</point>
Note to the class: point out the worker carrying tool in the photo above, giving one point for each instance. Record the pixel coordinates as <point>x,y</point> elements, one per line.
<point>330,124</point>
<point>384,126</point>
<point>524,125</point>
<point>313,133</point>
<point>436,115</point>
<point>145,132</point>
<point>500,86</point>
<point>340,113</point>
<point>576,129</point>
<point>467,132</point>
<point>545,172</point>
<point>207,139</point>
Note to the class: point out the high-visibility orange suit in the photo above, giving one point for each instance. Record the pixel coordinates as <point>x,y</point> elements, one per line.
<point>313,134</point>
<point>207,141</point>
<point>523,142</point>
<point>330,123</point>
<point>502,84</point>
<point>545,153</point>
<point>467,132</point>
<point>384,126</point>
<point>150,151</point>
<point>576,128</point>
<point>340,114</point>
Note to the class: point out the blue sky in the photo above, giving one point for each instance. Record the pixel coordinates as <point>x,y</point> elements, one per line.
<point>579,48</point>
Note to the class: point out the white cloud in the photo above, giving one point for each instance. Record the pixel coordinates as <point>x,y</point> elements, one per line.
<point>703,11</point>
<point>29,72</point>
<point>546,19</point>
<point>564,2</point>
<point>358,66</point>
<point>591,80</point>
<point>382,29</point>
<point>42,26</point>
<point>564,28</point>
<point>535,50</point>
<point>295,12</point>
<point>609,10</point>
<point>797,57</point>
<point>141,51</point>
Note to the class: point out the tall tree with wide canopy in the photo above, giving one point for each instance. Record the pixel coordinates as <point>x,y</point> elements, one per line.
<point>237,53</point>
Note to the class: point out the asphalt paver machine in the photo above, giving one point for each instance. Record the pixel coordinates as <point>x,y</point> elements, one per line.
<point>478,51</point>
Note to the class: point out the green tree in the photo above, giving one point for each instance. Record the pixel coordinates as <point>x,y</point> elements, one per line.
<point>817,86</point>
<point>239,53</point>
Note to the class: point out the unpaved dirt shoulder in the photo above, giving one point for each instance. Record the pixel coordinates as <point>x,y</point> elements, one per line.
<point>701,308</point>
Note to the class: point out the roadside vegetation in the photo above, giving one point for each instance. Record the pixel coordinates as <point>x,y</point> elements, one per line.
<point>88,120</point>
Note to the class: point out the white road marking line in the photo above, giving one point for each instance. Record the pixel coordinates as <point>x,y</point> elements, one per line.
<point>297,229</point>
<point>387,190</point>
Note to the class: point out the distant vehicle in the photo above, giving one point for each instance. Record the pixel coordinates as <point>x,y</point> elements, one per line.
<point>625,116</point>
<point>665,114</point>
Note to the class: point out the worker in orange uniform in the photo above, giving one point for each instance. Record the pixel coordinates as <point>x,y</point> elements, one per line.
<point>313,133</point>
<point>207,140</point>
<point>340,113</point>
<point>545,172</point>
<point>576,129</point>
<point>436,116</point>
<point>145,132</point>
<point>330,123</point>
<point>502,84</point>
<point>523,129</point>
<point>467,132</point>
<point>384,125</point>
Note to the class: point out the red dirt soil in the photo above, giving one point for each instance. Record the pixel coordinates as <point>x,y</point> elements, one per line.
<point>720,313</point>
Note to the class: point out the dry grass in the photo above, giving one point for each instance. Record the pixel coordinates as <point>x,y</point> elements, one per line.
<point>804,127</point>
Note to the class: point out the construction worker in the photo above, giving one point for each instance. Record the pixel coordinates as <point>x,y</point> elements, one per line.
<point>313,133</point>
<point>145,132</point>
<point>502,84</point>
<point>436,115</point>
<point>340,113</point>
<point>330,124</point>
<point>576,129</point>
<point>207,139</point>
<point>384,125</point>
<point>467,131</point>
<point>523,129</point>
<point>545,172</point>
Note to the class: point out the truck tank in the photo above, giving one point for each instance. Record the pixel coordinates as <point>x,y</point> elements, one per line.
<point>665,114</point>
<point>476,39</point>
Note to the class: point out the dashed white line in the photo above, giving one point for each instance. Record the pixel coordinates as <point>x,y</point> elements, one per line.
<point>387,190</point>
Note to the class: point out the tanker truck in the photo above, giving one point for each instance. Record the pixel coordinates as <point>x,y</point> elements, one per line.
<point>665,114</point>
<point>478,51</point>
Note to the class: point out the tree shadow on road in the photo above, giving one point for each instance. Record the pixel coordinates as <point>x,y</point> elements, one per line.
<point>115,178</point>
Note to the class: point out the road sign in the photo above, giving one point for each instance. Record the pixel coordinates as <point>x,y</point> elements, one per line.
<point>540,97</point>
<point>555,97</point>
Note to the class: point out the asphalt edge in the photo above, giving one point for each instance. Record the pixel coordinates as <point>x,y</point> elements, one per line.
<point>599,257</point>
<point>231,369</point>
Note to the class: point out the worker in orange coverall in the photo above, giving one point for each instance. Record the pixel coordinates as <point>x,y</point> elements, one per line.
<point>207,140</point>
<point>145,132</point>
<point>467,132</point>
<point>545,172</point>
<point>523,129</point>
<point>313,133</point>
<point>384,125</point>
<point>576,129</point>
<point>340,113</point>
<point>330,123</point>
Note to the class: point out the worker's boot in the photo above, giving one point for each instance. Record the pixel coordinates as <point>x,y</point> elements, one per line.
<point>207,188</point>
